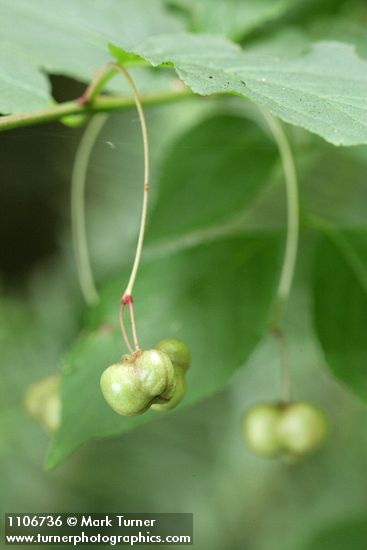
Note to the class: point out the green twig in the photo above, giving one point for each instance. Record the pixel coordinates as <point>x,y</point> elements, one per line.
<point>100,104</point>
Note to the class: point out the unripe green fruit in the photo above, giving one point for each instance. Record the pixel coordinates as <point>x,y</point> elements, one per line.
<point>42,402</point>
<point>260,429</point>
<point>177,351</point>
<point>180,356</point>
<point>178,395</point>
<point>291,429</point>
<point>302,428</point>
<point>139,380</point>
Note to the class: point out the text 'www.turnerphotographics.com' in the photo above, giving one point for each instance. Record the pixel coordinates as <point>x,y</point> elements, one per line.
<point>99,529</point>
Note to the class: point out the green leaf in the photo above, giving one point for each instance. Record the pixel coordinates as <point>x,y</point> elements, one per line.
<point>224,152</point>
<point>350,534</point>
<point>334,185</point>
<point>215,296</point>
<point>124,57</point>
<point>21,84</point>
<point>232,18</point>
<point>72,40</point>
<point>349,26</point>
<point>322,90</point>
<point>340,305</point>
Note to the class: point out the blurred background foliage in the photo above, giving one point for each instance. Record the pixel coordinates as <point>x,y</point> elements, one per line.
<point>193,459</point>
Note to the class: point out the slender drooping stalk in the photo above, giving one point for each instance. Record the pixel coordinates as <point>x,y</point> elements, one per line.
<point>78,225</point>
<point>144,132</point>
<point>291,247</point>
<point>78,199</point>
<point>286,384</point>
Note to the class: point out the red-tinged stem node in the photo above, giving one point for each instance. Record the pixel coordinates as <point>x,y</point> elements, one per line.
<point>127,300</point>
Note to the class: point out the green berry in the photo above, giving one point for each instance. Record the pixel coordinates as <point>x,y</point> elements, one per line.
<point>302,428</point>
<point>42,402</point>
<point>292,429</point>
<point>178,395</point>
<point>260,429</point>
<point>139,380</point>
<point>180,356</point>
<point>177,351</point>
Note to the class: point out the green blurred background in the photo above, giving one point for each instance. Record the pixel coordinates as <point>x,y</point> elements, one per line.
<point>192,460</point>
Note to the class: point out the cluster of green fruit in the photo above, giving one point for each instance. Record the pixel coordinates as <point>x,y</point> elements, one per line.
<point>290,429</point>
<point>153,378</point>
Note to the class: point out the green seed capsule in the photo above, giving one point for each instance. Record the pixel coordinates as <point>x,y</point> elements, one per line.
<point>178,395</point>
<point>291,429</point>
<point>139,380</point>
<point>180,356</point>
<point>177,351</point>
<point>260,429</point>
<point>42,402</point>
<point>302,428</point>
